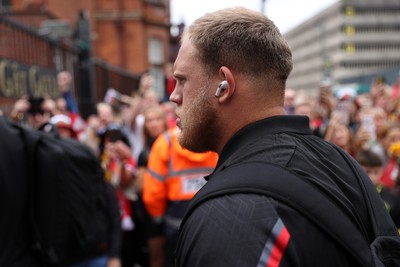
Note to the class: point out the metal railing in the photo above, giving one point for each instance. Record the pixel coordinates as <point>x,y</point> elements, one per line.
<point>23,48</point>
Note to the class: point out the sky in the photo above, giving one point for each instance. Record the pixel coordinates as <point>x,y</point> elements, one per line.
<point>286,14</point>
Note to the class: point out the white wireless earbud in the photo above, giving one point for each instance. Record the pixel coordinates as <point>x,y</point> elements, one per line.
<point>223,85</point>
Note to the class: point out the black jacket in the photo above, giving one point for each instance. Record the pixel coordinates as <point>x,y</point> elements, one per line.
<point>236,230</point>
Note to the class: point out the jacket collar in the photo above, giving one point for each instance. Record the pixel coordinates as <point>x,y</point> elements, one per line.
<point>267,126</point>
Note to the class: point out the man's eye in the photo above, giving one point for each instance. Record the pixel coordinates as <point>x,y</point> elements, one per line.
<point>180,81</point>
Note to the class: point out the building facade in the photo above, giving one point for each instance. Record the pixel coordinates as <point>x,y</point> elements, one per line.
<point>133,35</point>
<point>351,42</point>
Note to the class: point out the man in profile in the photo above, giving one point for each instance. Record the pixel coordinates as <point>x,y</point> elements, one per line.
<point>231,72</point>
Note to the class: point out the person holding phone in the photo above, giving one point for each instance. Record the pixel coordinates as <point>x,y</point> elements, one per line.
<point>371,125</point>
<point>33,111</point>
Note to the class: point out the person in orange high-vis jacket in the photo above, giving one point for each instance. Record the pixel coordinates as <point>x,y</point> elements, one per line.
<point>173,177</point>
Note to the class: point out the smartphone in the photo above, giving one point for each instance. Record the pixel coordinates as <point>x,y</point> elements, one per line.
<point>367,122</point>
<point>344,116</point>
<point>35,105</point>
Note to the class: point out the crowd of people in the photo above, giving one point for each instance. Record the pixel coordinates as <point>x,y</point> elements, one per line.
<point>123,131</point>
<point>366,125</point>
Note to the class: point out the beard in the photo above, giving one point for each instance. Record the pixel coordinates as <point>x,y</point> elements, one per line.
<point>200,127</point>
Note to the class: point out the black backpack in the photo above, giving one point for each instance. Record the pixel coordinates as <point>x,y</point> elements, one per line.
<point>67,197</point>
<point>250,178</point>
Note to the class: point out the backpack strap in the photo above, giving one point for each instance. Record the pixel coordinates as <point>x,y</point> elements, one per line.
<point>286,187</point>
<point>385,245</point>
<point>31,139</point>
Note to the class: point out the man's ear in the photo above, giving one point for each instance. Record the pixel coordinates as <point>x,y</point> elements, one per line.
<point>227,86</point>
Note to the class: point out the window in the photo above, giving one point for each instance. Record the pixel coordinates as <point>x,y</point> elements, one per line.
<point>349,11</point>
<point>158,75</point>
<point>156,51</point>
<point>156,60</point>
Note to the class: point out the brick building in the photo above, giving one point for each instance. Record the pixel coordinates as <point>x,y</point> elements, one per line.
<point>127,37</point>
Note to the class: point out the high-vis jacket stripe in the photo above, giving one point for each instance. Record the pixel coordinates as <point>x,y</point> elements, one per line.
<point>161,178</point>
<point>191,171</point>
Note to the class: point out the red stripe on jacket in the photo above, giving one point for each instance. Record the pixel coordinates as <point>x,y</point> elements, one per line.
<point>279,248</point>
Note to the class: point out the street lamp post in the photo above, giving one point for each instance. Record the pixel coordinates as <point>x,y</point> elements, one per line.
<point>263,2</point>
